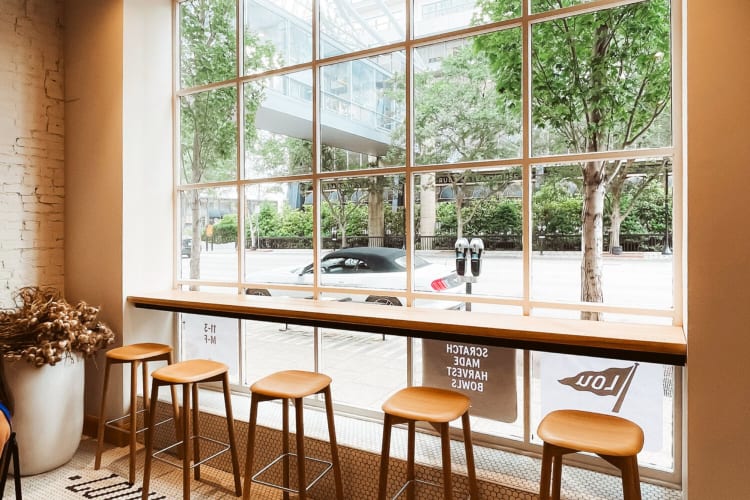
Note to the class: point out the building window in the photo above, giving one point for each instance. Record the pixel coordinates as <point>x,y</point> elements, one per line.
<point>350,171</point>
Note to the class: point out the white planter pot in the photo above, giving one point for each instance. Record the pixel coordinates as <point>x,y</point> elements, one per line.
<point>48,416</point>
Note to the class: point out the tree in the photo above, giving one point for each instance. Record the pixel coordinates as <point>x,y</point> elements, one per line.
<point>599,81</point>
<point>208,131</point>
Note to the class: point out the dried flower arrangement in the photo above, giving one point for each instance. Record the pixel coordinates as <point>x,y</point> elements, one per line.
<point>44,328</point>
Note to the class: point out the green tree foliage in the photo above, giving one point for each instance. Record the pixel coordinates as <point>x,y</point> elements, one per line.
<point>208,130</point>
<point>599,82</point>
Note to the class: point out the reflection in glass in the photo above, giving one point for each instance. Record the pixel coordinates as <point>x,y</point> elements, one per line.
<point>208,136</point>
<point>439,16</point>
<point>459,114</point>
<point>362,109</point>
<point>278,126</point>
<point>207,42</point>
<point>277,34</point>
<point>351,25</point>
<point>615,93</point>
<point>208,230</point>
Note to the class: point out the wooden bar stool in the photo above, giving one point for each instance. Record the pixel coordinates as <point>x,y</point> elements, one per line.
<point>134,354</point>
<point>615,439</point>
<point>189,374</point>
<point>438,407</point>
<point>294,385</point>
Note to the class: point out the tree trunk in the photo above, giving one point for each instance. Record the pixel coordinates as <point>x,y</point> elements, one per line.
<point>616,219</point>
<point>375,215</point>
<point>427,210</point>
<point>592,237</point>
<point>195,248</point>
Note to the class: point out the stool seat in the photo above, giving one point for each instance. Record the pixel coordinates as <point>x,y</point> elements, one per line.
<point>190,371</point>
<point>427,404</point>
<point>615,439</point>
<point>592,432</point>
<point>138,352</point>
<point>291,384</point>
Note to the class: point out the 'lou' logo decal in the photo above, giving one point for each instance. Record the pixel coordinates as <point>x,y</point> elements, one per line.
<point>609,382</point>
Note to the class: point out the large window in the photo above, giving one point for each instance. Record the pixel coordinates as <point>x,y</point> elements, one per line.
<point>341,154</point>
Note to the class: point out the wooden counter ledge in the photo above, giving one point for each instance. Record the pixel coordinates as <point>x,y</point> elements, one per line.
<point>649,343</point>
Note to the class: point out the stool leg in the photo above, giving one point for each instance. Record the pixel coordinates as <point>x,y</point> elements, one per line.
<point>302,483</point>
<point>384,457</point>
<point>186,441</point>
<point>334,447</point>
<point>631,486</point>
<point>175,404</point>
<point>445,445</point>
<point>196,432</point>
<point>285,444</point>
<point>557,475</point>
<point>100,426</point>
<point>410,457</point>
<point>232,440</point>
<point>546,475</point>
<point>149,441</point>
<point>635,478</point>
<point>133,419</point>
<point>470,467</point>
<point>144,383</point>
<point>250,446</point>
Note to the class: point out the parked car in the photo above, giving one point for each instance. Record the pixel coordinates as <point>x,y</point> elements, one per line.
<point>365,267</point>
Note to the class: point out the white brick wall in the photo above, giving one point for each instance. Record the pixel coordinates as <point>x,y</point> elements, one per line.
<point>31,145</point>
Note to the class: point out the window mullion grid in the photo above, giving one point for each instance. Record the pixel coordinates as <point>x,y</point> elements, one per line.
<point>408,184</point>
<point>316,241</point>
<point>241,199</point>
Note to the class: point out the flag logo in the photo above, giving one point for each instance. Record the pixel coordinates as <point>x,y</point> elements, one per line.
<point>609,382</point>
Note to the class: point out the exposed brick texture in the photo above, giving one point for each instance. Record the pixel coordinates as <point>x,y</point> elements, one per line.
<point>31,145</point>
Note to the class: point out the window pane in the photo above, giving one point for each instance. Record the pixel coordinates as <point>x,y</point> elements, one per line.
<point>207,42</point>
<point>277,34</point>
<point>362,111</point>
<point>615,93</point>
<point>271,347</point>
<point>365,367</point>
<point>363,219</point>
<point>628,253</point>
<point>278,126</point>
<point>278,237</point>
<point>459,114</point>
<point>485,205</point>
<point>351,25</point>
<point>438,16</point>
<point>208,221</point>
<point>208,136</point>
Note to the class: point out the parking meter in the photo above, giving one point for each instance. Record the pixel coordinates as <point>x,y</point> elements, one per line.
<point>462,248</point>
<point>476,248</point>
